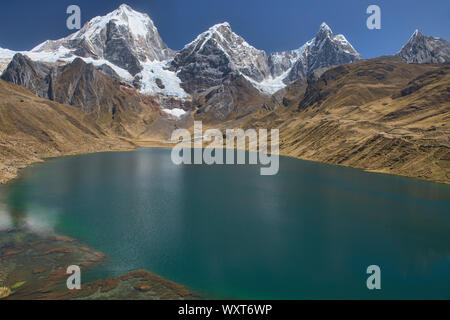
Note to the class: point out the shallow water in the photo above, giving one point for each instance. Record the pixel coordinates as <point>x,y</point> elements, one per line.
<point>225,231</point>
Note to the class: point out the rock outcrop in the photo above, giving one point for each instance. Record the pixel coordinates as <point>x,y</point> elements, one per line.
<point>29,74</point>
<point>423,49</point>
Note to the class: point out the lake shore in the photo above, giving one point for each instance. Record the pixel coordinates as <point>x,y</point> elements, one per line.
<point>60,250</point>
<point>12,170</point>
<point>44,278</point>
<point>34,268</point>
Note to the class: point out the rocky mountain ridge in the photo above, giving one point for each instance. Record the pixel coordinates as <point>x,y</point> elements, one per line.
<point>128,42</point>
<point>423,49</point>
<point>211,74</point>
<point>219,51</point>
<point>123,37</point>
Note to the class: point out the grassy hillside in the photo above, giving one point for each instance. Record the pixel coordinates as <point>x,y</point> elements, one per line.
<point>33,128</point>
<point>379,115</point>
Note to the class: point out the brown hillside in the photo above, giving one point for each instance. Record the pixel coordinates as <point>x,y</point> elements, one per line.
<point>379,115</point>
<point>33,128</point>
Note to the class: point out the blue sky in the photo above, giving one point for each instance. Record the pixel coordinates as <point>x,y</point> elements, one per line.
<point>271,25</point>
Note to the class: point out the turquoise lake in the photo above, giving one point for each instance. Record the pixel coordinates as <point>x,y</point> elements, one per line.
<point>309,232</point>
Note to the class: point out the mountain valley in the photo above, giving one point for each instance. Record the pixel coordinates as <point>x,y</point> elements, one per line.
<point>115,85</point>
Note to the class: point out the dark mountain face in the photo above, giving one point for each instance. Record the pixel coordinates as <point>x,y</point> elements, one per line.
<point>423,49</point>
<point>81,84</point>
<point>360,82</point>
<point>123,37</point>
<point>118,51</point>
<point>217,69</point>
<point>218,72</point>
<point>28,74</point>
<point>125,45</point>
<point>235,97</point>
<point>204,68</point>
<point>77,83</point>
<point>215,54</point>
<point>323,51</point>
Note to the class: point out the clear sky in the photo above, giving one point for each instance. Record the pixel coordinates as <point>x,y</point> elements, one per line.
<point>271,25</point>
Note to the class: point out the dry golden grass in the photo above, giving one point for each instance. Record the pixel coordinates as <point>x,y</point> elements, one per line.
<point>5,292</point>
<point>378,115</point>
<point>33,129</point>
<point>356,116</point>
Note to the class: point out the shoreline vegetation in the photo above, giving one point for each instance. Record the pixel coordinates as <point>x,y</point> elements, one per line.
<point>34,268</point>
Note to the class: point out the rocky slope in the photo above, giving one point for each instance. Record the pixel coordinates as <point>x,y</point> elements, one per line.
<point>125,41</point>
<point>29,74</point>
<point>143,90</point>
<point>209,66</point>
<point>126,45</point>
<point>234,98</point>
<point>105,115</point>
<point>379,115</point>
<point>34,266</point>
<point>324,50</point>
<point>33,128</point>
<point>214,54</point>
<point>217,52</point>
<point>123,37</point>
<point>97,91</point>
<point>423,49</point>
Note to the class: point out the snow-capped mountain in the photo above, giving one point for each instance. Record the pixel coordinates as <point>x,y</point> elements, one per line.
<point>5,57</point>
<point>127,44</point>
<point>324,50</point>
<point>219,51</point>
<point>123,37</point>
<point>423,49</point>
<point>280,62</point>
<point>125,41</point>
<point>214,54</point>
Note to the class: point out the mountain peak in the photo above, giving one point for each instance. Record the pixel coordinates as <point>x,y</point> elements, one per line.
<point>416,34</point>
<point>208,34</point>
<point>215,54</point>
<point>125,6</point>
<point>322,51</point>
<point>126,10</point>
<point>138,23</point>
<point>324,31</point>
<point>424,49</point>
<point>124,37</point>
<point>325,26</point>
<point>219,25</point>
